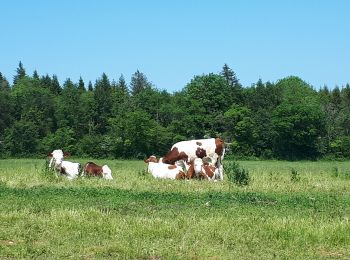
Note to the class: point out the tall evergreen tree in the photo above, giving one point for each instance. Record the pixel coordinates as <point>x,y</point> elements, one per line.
<point>4,84</point>
<point>55,85</point>
<point>46,81</point>
<point>35,75</point>
<point>90,87</point>
<point>81,85</point>
<point>103,99</point>
<point>122,84</point>
<point>20,73</point>
<point>229,75</point>
<point>139,82</point>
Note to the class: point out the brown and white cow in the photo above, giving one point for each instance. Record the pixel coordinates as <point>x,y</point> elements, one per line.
<point>92,169</point>
<point>202,170</point>
<point>164,171</point>
<point>182,153</point>
<point>66,168</point>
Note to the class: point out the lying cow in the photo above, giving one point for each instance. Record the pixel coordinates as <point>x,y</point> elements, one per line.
<point>163,170</point>
<point>69,169</point>
<point>184,152</point>
<point>92,169</point>
<point>202,170</point>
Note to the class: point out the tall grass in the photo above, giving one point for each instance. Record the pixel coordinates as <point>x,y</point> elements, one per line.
<point>137,217</point>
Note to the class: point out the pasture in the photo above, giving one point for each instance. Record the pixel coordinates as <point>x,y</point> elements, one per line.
<point>137,217</point>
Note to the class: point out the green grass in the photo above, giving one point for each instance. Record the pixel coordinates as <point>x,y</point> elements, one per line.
<point>137,217</point>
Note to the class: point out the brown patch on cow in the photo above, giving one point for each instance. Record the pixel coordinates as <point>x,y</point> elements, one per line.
<point>62,170</point>
<point>219,143</point>
<point>180,176</point>
<point>209,170</point>
<point>200,152</point>
<point>198,143</point>
<point>170,167</point>
<point>92,169</point>
<point>190,171</point>
<point>173,155</point>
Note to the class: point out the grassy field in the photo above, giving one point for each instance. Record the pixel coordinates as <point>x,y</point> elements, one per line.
<point>137,217</point>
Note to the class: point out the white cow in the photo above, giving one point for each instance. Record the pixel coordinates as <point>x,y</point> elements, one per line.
<point>163,170</point>
<point>69,169</point>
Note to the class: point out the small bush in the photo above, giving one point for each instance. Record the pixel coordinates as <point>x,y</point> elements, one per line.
<point>236,174</point>
<point>335,172</point>
<point>142,173</point>
<point>48,173</point>
<point>295,176</point>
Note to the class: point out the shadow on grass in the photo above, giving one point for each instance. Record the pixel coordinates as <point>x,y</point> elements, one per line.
<point>43,199</point>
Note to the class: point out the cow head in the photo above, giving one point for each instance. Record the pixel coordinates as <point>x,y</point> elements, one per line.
<point>152,158</point>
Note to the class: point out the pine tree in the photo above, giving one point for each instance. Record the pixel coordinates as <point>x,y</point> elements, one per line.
<point>55,85</point>
<point>20,73</point>
<point>81,85</point>
<point>46,81</point>
<point>4,84</point>
<point>229,75</point>
<point>139,83</point>
<point>90,87</point>
<point>122,84</point>
<point>35,75</point>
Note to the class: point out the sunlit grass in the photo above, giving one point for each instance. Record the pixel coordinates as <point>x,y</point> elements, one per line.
<point>135,216</point>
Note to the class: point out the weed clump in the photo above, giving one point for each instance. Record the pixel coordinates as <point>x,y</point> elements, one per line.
<point>237,174</point>
<point>295,176</point>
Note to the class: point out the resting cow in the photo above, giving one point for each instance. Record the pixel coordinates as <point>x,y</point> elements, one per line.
<point>92,169</point>
<point>163,170</point>
<point>69,169</point>
<point>184,152</point>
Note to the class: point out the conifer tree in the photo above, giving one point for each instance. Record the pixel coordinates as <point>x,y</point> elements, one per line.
<point>139,83</point>
<point>20,73</point>
<point>81,85</point>
<point>55,85</point>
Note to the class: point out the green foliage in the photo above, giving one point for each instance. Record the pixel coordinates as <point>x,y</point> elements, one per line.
<point>298,121</point>
<point>237,174</point>
<point>21,139</point>
<point>286,120</point>
<point>295,176</point>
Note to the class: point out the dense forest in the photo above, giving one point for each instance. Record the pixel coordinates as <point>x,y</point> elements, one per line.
<point>287,119</point>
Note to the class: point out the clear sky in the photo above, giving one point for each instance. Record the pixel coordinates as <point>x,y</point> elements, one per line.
<point>171,41</point>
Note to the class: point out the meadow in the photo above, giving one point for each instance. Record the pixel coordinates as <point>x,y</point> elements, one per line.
<point>278,215</point>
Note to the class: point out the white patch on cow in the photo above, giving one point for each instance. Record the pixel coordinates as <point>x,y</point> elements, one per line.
<point>107,172</point>
<point>162,171</point>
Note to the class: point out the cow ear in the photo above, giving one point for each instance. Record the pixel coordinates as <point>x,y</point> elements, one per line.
<point>65,154</point>
<point>49,155</point>
<point>146,160</point>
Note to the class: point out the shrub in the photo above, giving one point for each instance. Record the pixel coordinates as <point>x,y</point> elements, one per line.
<point>236,174</point>
<point>295,176</point>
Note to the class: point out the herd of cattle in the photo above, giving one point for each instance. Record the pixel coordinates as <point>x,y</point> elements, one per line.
<point>200,159</point>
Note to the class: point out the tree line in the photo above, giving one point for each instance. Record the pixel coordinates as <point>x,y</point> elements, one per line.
<point>287,119</point>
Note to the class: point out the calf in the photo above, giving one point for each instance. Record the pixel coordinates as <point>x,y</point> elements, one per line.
<point>69,169</point>
<point>163,170</point>
<point>202,170</point>
<point>184,152</point>
<point>92,169</point>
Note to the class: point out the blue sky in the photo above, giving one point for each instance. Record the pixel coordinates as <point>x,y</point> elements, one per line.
<point>171,41</point>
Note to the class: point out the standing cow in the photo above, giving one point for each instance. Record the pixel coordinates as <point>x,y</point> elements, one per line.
<point>182,153</point>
